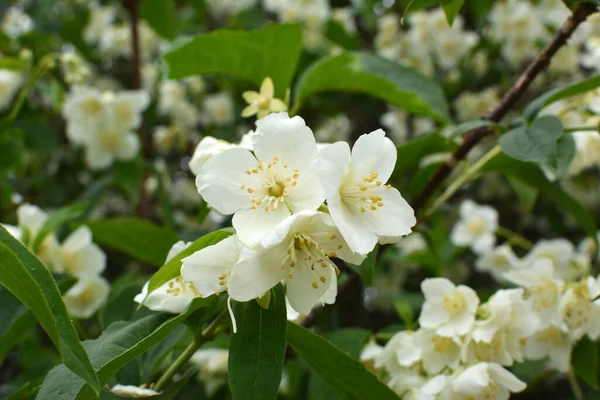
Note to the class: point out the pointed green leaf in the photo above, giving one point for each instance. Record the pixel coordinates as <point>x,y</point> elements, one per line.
<point>273,51</point>
<point>376,76</point>
<point>452,8</point>
<point>119,344</point>
<point>257,350</point>
<point>58,218</point>
<point>160,15</point>
<point>29,281</point>
<point>343,373</point>
<point>535,143</point>
<point>135,237</point>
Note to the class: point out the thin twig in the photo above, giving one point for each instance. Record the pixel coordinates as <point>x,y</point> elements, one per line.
<point>541,62</point>
<point>136,83</point>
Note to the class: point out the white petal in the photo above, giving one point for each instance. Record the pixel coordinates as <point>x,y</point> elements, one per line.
<point>395,218</point>
<point>205,267</point>
<point>461,236</point>
<point>94,261</point>
<point>300,291</point>
<point>129,148</point>
<point>506,379</point>
<point>224,174</point>
<point>78,239</point>
<point>374,152</point>
<point>432,316</point>
<point>96,158</point>
<point>308,194</point>
<point>253,225</point>
<point>85,297</point>
<point>484,244</point>
<point>289,139</point>
<point>332,164</point>
<point>257,271</point>
<point>352,227</point>
<point>437,287</point>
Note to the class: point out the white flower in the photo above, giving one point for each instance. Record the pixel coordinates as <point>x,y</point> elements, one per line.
<point>80,256</point>
<point>448,309</point>
<point>10,81</point>
<point>476,227</point>
<point>364,209</point>
<point>125,107</point>
<point>559,251</point>
<point>452,45</point>
<point>299,251</point>
<point>109,142</point>
<point>400,352</point>
<point>437,352</point>
<point>542,290</point>
<point>208,147</point>
<point>262,103</point>
<point>263,191</point>
<point>553,343</point>
<point>85,297</point>
<point>485,380</point>
<point>15,22</point>
<point>84,107</point>
<point>497,262</point>
<point>503,322</point>
<point>175,295</point>
<point>132,392</point>
<point>578,310</point>
<point>212,364</point>
<point>209,268</point>
<point>100,19</point>
<point>218,109</point>
<point>171,95</point>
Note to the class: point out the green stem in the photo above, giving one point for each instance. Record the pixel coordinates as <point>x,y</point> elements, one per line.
<point>179,362</point>
<point>571,129</point>
<point>463,178</point>
<point>207,335</point>
<point>575,385</point>
<point>514,238</point>
<point>40,69</point>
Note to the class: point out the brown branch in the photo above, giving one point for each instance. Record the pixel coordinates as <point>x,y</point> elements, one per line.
<point>136,83</point>
<point>540,63</point>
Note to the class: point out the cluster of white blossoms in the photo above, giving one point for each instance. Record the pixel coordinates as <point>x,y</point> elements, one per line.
<point>477,229</point>
<point>462,347</point>
<point>429,41</point>
<point>77,256</point>
<point>104,123</point>
<point>10,82</point>
<point>275,183</point>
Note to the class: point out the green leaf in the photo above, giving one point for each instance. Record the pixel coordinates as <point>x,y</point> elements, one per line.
<point>273,51</point>
<point>535,143</point>
<point>172,269</point>
<point>406,314</point>
<point>135,237</point>
<point>120,305</point>
<point>56,219</point>
<point>560,93</point>
<point>534,177</point>
<point>376,76</point>
<point>349,340</point>
<point>451,9</point>
<point>585,361</point>
<point>257,350</point>
<point>562,157</point>
<point>26,278</point>
<point>343,373</point>
<point>335,32</point>
<point>366,270</point>
<point>121,343</point>
<point>526,194</point>
<point>14,64</point>
<point>160,15</point>
<point>411,152</point>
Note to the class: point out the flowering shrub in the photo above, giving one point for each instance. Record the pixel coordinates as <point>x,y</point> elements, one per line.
<point>309,199</point>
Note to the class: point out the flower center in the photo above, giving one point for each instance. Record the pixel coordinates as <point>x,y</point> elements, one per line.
<point>542,295</point>
<point>276,182</point>
<point>453,304</point>
<point>92,107</point>
<point>181,286</point>
<point>476,226</point>
<point>124,113</point>
<point>110,141</point>
<point>364,196</point>
<point>551,337</point>
<point>71,261</point>
<point>304,247</point>
<point>552,256</point>
<point>441,344</point>
<point>264,103</point>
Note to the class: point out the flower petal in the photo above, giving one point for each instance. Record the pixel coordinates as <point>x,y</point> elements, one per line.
<point>395,218</point>
<point>266,88</point>
<point>301,291</point>
<point>374,152</point>
<point>360,239</point>
<point>78,239</point>
<point>253,225</point>
<point>222,178</point>
<point>332,164</point>
<point>257,271</point>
